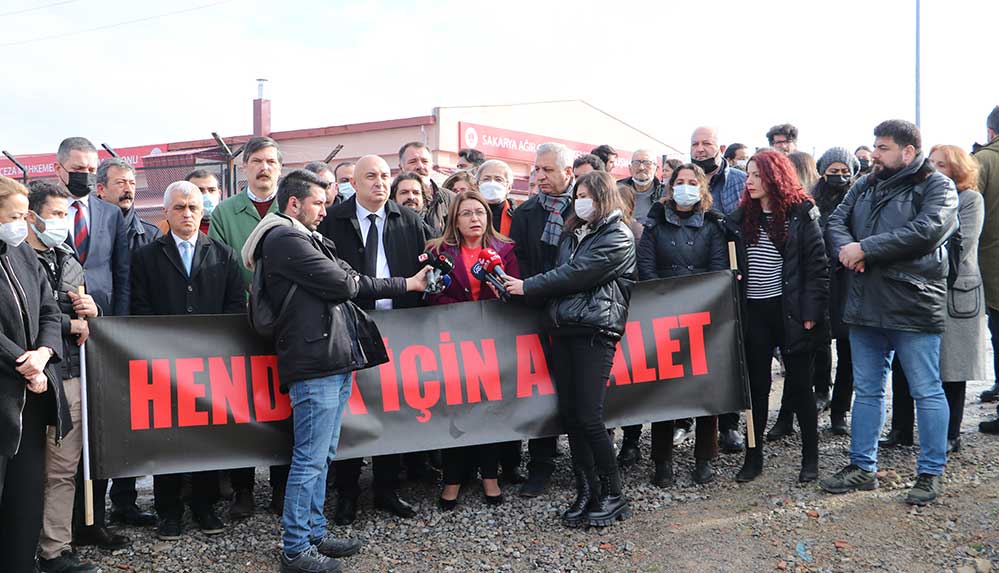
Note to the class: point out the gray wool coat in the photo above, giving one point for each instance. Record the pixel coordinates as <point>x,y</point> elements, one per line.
<point>962,350</point>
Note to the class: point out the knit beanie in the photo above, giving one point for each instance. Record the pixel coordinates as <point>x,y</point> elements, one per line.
<point>838,155</point>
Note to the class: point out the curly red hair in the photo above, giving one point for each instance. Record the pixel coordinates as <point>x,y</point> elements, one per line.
<point>780,180</point>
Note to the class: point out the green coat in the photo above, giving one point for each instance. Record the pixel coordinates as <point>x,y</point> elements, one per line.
<point>233,221</point>
<point>988,247</point>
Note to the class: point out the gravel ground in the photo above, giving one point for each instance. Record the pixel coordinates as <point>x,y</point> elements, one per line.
<point>771,524</point>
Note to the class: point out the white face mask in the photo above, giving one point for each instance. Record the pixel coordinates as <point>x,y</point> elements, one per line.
<point>345,190</point>
<point>686,195</point>
<point>584,209</point>
<point>741,163</point>
<point>493,191</point>
<point>14,233</point>
<point>56,231</point>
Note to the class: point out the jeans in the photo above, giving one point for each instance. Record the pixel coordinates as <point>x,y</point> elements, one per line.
<point>581,365</point>
<point>903,413</point>
<point>317,409</point>
<point>919,355</point>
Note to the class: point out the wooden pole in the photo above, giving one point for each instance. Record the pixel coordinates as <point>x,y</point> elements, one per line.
<point>733,263</point>
<point>88,484</point>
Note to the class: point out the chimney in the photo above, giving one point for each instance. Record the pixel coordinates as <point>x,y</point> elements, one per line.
<point>261,111</point>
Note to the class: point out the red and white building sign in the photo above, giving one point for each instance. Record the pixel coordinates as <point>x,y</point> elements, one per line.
<point>43,164</point>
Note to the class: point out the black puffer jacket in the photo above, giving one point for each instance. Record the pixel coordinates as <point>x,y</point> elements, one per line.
<point>590,288</point>
<point>673,246</point>
<point>902,225</point>
<point>827,199</point>
<point>805,275</point>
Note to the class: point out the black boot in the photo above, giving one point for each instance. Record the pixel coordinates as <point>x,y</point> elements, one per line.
<point>611,505</point>
<point>703,472</point>
<point>575,516</point>
<point>753,466</point>
<point>838,424</point>
<point>896,438</point>
<point>784,426</point>
<point>664,475</point>
<point>809,465</point>
<point>629,453</point>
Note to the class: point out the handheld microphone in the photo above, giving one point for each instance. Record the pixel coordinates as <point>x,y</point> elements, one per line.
<point>479,272</point>
<point>438,278</point>
<point>492,263</point>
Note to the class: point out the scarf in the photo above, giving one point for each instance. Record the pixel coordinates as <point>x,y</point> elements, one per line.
<point>554,204</point>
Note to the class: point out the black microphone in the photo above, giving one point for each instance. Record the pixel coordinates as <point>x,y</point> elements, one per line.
<point>480,273</point>
<point>438,278</point>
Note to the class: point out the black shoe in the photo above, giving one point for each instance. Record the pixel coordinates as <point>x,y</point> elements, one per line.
<point>309,561</point>
<point>989,427</point>
<point>838,425</point>
<point>277,501</point>
<point>954,446</point>
<point>730,442</point>
<point>629,454</point>
<point>132,515</point>
<point>680,435</point>
<point>493,500</point>
<point>392,503</point>
<point>535,485</point>
<point>752,467</point>
<point>703,472</point>
<point>783,427</point>
<point>447,504</point>
<point>422,473</point>
<point>895,439</point>
<point>331,546</point>
<point>664,475</point>
<point>242,504</point>
<point>991,394</point>
<point>99,537</point>
<point>346,510</point>
<point>926,489</point>
<point>611,505</point>
<point>575,516</point>
<point>850,478</point>
<point>68,562</point>
<point>822,401</point>
<point>170,529</point>
<point>512,475</point>
<point>809,469</point>
<point>208,521</point>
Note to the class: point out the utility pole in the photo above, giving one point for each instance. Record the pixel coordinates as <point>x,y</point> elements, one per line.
<point>918,87</point>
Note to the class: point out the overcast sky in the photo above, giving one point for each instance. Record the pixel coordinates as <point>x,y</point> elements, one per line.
<point>834,69</point>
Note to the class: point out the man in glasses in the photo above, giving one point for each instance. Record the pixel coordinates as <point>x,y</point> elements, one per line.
<point>648,188</point>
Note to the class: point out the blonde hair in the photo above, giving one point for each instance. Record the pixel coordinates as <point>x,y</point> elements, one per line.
<point>452,237</point>
<point>9,188</point>
<point>963,167</point>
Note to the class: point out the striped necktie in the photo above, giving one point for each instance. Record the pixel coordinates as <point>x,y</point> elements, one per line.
<point>81,235</point>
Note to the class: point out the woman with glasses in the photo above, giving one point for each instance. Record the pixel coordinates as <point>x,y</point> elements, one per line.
<point>470,230</point>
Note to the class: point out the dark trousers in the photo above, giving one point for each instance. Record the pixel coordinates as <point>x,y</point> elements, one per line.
<point>994,330</point>
<point>765,322</point>
<point>462,462</point>
<point>510,455</point>
<point>23,481</point>
<point>903,409</point>
<point>541,453</point>
<point>581,366</point>
<point>822,367</point>
<point>244,478</point>
<point>167,489</point>
<point>842,397</point>
<point>385,470</point>
<point>100,488</point>
<point>705,440</point>
<point>728,422</point>
<point>123,492</point>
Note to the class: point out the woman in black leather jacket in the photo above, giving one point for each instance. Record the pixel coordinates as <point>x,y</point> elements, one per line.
<point>587,296</point>
<point>683,236</point>
<point>785,287</point>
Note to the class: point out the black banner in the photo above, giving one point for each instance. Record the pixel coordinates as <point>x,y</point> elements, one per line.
<point>174,394</point>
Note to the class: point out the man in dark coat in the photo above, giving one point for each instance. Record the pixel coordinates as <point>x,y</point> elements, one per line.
<point>185,272</point>
<point>891,231</point>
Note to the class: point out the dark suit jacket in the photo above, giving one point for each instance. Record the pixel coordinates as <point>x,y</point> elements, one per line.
<point>160,285</point>
<point>405,238</point>
<point>533,255</point>
<point>140,232</point>
<point>106,267</point>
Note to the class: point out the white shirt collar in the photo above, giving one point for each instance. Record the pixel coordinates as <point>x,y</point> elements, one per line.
<point>85,199</point>
<point>256,199</point>
<point>193,241</point>
<point>363,213</point>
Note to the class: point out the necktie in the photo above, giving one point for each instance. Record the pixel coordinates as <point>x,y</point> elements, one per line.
<point>186,255</point>
<point>371,247</point>
<point>81,235</point>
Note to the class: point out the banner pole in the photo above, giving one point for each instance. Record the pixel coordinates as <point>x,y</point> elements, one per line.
<point>88,484</point>
<point>733,263</point>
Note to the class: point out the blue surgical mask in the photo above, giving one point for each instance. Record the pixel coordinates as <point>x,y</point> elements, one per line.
<point>210,203</point>
<point>345,190</point>
<point>56,231</point>
<point>686,195</point>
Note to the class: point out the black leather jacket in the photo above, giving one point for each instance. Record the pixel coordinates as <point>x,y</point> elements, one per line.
<point>902,225</point>
<point>590,288</point>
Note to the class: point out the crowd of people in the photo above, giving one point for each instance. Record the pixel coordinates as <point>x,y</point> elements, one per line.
<point>890,251</point>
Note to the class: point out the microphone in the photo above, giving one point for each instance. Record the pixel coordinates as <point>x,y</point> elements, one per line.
<point>492,262</point>
<point>479,272</point>
<point>438,278</point>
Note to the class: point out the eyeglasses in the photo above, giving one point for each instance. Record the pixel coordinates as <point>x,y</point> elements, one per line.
<point>642,163</point>
<point>467,214</point>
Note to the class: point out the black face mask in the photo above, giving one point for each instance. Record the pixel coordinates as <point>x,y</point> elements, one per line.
<point>838,182</point>
<point>81,184</point>
<point>865,164</point>
<point>708,165</point>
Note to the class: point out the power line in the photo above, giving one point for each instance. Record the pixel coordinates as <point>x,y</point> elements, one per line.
<point>109,26</point>
<point>33,8</point>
